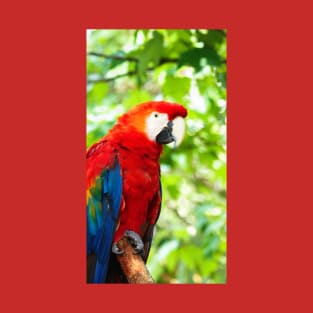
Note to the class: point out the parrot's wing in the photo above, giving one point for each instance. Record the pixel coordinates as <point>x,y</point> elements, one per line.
<point>104,199</point>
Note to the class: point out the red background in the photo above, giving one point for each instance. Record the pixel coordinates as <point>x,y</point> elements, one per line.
<point>43,156</point>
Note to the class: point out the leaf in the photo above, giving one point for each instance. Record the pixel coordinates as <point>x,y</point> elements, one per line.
<point>136,96</point>
<point>166,249</point>
<point>205,83</point>
<point>221,75</point>
<point>189,255</point>
<point>151,53</point>
<point>212,38</point>
<point>97,93</point>
<point>193,57</point>
<point>176,88</point>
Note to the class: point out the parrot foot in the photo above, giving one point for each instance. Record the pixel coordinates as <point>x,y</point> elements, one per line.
<point>135,241</point>
<point>116,249</point>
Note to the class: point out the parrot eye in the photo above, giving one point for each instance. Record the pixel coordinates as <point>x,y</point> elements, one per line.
<point>156,115</point>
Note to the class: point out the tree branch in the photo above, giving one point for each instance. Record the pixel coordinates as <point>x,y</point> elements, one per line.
<point>107,80</point>
<point>130,73</point>
<point>132,59</point>
<point>133,265</point>
<point>114,57</point>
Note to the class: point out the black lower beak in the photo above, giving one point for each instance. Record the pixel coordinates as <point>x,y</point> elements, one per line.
<point>165,136</point>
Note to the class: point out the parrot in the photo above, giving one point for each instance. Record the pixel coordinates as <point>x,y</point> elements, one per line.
<point>123,189</point>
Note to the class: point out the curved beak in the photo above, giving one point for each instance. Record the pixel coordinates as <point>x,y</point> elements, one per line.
<point>165,136</point>
<point>173,133</point>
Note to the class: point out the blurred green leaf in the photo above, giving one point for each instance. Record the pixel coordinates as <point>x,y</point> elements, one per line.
<point>193,57</point>
<point>150,54</point>
<point>97,94</point>
<point>176,88</point>
<point>136,96</point>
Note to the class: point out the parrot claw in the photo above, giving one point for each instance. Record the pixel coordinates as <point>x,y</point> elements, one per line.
<point>135,241</point>
<point>116,249</point>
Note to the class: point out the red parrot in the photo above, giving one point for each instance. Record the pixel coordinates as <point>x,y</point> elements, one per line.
<point>123,185</point>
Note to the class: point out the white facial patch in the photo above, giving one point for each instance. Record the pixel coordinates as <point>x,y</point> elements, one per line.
<point>178,131</point>
<point>155,123</point>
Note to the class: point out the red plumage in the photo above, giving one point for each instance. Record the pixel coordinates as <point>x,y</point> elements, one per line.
<point>139,161</point>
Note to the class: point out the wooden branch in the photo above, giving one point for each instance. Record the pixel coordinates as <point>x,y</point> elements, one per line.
<point>106,80</point>
<point>133,265</point>
<point>114,57</point>
<point>131,59</point>
<point>125,58</point>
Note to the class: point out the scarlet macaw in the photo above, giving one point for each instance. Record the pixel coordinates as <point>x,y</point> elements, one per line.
<point>123,185</point>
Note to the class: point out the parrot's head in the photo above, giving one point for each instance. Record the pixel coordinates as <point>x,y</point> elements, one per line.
<point>161,122</point>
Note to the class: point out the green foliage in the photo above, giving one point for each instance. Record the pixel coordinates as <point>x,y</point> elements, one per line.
<point>188,67</point>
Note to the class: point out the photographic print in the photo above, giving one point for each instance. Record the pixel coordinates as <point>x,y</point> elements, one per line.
<point>156,156</point>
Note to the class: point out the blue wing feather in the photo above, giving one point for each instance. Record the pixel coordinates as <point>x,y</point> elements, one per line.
<point>102,215</point>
